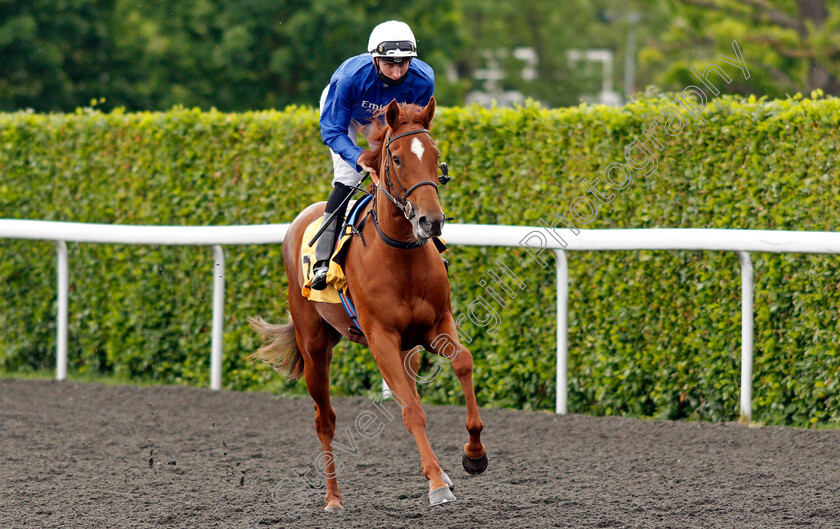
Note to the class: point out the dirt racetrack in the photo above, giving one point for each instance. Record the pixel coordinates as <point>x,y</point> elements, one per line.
<point>80,455</point>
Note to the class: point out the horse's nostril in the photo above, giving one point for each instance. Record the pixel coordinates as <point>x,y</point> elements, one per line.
<point>425,224</point>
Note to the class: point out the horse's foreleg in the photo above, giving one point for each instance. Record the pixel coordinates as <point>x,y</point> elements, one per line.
<point>448,346</point>
<point>411,363</point>
<point>386,351</point>
<point>475,456</point>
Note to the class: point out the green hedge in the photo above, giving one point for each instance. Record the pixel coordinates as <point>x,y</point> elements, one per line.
<point>652,334</point>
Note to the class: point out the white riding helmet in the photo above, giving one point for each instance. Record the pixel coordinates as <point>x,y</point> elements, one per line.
<point>392,41</point>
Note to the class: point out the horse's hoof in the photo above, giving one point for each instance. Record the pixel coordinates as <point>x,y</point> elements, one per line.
<point>475,466</point>
<point>441,495</point>
<point>446,480</point>
<point>334,508</point>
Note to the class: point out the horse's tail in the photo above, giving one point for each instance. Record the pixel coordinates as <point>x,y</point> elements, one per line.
<point>280,349</point>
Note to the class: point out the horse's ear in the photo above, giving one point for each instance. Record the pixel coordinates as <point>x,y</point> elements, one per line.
<point>392,114</point>
<point>428,113</point>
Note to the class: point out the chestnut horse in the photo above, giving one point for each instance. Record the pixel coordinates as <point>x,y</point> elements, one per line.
<point>400,288</point>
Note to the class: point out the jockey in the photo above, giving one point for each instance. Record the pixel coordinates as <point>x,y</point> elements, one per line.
<point>359,87</point>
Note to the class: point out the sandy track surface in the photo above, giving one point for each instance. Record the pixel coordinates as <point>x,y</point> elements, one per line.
<point>86,455</point>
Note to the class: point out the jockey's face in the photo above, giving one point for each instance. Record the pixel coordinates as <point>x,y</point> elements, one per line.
<point>392,70</point>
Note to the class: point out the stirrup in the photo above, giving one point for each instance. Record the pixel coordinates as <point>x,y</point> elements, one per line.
<point>319,275</point>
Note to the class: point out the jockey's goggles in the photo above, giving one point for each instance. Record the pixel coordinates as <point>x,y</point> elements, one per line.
<point>400,48</point>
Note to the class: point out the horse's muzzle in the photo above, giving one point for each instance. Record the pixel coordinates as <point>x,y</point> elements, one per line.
<point>429,226</point>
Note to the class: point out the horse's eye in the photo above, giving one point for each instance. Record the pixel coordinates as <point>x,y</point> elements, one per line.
<point>396,161</point>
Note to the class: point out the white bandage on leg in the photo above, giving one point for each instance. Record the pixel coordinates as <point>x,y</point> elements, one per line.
<point>342,171</point>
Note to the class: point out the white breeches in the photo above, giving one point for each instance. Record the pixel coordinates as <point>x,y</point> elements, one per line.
<point>342,171</point>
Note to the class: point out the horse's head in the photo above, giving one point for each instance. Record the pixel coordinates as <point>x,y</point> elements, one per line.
<point>407,162</point>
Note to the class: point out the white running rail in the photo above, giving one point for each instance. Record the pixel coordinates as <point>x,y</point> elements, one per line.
<point>740,241</point>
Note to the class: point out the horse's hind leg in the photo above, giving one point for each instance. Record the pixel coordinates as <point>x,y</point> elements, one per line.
<point>317,375</point>
<point>316,340</point>
<point>448,346</point>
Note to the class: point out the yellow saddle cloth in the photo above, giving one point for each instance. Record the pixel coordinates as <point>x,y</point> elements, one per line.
<point>336,279</point>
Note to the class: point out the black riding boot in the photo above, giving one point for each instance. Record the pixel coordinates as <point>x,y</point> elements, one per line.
<point>326,242</point>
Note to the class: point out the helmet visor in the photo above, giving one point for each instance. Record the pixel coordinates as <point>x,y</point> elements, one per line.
<point>394,60</point>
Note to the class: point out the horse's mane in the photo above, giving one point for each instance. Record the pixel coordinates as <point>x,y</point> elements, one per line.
<point>378,129</point>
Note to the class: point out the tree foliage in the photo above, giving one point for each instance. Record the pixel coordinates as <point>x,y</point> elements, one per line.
<point>233,55</point>
<point>258,54</point>
<point>791,45</point>
<point>55,55</point>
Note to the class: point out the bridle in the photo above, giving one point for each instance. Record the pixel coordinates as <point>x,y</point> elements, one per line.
<point>402,202</point>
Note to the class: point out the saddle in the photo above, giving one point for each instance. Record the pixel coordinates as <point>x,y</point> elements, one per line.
<point>336,279</point>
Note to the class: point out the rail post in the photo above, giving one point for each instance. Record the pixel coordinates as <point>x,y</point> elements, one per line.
<point>561,404</point>
<point>218,317</point>
<point>746,335</point>
<point>61,316</point>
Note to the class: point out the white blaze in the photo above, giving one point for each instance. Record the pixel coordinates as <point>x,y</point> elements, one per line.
<point>417,148</point>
